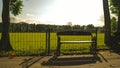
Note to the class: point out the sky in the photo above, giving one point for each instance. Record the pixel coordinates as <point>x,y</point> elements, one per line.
<point>60,12</point>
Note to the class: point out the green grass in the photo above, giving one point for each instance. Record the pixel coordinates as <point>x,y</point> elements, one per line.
<point>28,41</point>
<point>35,43</point>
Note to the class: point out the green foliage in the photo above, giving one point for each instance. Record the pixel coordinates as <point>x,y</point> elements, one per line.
<point>76,27</point>
<point>115,6</point>
<point>16,7</point>
<point>114,10</point>
<point>113,24</point>
<point>115,3</point>
<point>90,26</point>
<point>25,27</point>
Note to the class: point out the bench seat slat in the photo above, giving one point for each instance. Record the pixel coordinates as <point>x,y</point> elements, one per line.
<point>75,42</point>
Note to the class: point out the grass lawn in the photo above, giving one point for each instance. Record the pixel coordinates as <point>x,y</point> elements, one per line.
<point>35,43</point>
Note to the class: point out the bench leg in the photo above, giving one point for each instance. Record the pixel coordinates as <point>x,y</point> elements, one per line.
<point>58,47</point>
<point>58,50</point>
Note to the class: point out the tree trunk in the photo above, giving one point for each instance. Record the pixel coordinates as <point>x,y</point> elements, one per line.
<point>107,22</point>
<point>5,39</point>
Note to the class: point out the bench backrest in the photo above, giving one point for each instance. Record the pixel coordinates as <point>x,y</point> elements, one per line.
<point>74,33</point>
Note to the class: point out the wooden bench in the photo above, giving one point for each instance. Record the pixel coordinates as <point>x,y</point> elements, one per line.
<point>93,40</point>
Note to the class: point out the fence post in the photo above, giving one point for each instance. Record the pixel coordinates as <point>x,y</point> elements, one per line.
<point>48,41</point>
<point>96,37</point>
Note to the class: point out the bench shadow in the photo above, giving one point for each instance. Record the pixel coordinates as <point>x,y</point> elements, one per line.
<point>30,61</point>
<point>71,61</point>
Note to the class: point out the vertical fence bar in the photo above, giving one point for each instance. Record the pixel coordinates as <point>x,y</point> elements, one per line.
<point>48,41</point>
<point>46,44</point>
<point>96,38</point>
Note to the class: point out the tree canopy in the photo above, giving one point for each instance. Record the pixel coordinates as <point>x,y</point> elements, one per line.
<point>16,7</point>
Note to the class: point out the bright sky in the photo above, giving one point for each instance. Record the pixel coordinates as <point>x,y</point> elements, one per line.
<point>81,12</point>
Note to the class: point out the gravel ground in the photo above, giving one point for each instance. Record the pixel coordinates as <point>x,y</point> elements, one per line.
<point>106,59</point>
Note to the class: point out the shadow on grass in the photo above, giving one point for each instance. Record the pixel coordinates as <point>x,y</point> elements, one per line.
<point>71,61</point>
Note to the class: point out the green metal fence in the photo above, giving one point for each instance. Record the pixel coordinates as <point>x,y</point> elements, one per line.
<point>27,43</point>
<point>41,43</point>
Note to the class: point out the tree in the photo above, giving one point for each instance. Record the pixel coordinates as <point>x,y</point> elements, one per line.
<point>113,24</point>
<point>69,24</point>
<point>107,21</point>
<point>15,7</point>
<point>76,27</point>
<point>115,8</point>
<point>90,26</point>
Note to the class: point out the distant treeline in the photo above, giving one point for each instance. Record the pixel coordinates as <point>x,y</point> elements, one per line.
<point>24,27</point>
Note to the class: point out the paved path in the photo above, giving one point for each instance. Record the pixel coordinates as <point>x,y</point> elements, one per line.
<point>108,60</point>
